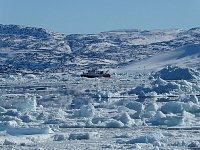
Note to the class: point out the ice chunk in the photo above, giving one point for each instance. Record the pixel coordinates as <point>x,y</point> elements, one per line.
<point>123,109</point>
<point>158,118</point>
<point>169,120</point>
<point>113,124</point>
<point>143,139</point>
<point>30,76</point>
<point>28,131</point>
<point>156,87</point>
<point>140,90</point>
<point>105,95</point>
<point>60,137</point>
<point>148,114</point>
<point>188,118</point>
<point>21,102</point>
<point>159,81</point>
<point>125,118</point>
<point>151,94</point>
<point>186,86</point>
<point>191,107</point>
<point>172,107</point>
<point>27,118</point>
<point>54,121</point>
<point>83,136</point>
<point>137,106</point>
<point>4,125</point>
<point>9,142</point>
<point>101,95</point>
<point>153,106</point>
<point>2,110</point>
<point>12,77</point>
<point>87,111</point>
<point>171,86</point>
<point>194,99</point>
<point>12,112</point>
<point>28,104</point>
<point>173,120</point>
<point>77,103</point>
<point>61,113</point>
<point>194,144</point>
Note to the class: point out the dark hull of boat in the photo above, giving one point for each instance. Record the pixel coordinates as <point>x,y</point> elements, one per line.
<point>95,76</point>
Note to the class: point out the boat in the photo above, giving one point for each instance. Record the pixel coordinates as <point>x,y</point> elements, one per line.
<point>95,74</point>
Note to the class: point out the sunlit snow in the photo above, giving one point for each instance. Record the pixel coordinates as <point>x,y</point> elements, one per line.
<point>149,104</point>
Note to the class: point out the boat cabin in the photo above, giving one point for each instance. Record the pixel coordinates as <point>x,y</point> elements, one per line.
<point>95,74</point>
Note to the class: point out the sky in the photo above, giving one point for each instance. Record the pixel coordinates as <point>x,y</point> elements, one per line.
<point>95,16</point>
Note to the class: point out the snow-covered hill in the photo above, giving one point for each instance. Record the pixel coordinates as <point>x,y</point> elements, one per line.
<point>19,37</point>
<point>186,56</point>
<point>36,49</point>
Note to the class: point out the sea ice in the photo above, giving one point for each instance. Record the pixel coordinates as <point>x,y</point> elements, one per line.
<point>28,130</point>
<point>158,86</point>
<point>172,107</point>
<point>137,106</point>
<point>30,77</point>
<point>60,137</point>
<point>194,144</point>
<point>28,104</point>
<point>21,102</point>
<point>2,110</point>
<point>125,119</point>
<point>112,123</point>
<point>151,138</point>
<point>9,142</point>
<point>166,119</point>
<point>4,125</point>
<point>86,111</point>
<point>83,136</point>
<point>77,103</point>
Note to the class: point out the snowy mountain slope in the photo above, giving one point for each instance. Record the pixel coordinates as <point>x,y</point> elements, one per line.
<point>144,37</point>
<point>36,49</point>
<point>121,45</point>
<point>186,56</point>
<point>19,37</point>
<point>30,48</point>
<point>126,46</point>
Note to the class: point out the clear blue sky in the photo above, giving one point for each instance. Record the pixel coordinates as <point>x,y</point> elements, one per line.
<point>94,16</point>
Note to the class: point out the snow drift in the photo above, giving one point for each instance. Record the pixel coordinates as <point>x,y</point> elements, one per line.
<point>186,56</point>
<point>177,73</point>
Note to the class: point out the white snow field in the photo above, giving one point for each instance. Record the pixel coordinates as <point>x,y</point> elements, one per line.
<point>186,56</point>
<point>151,104</point>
